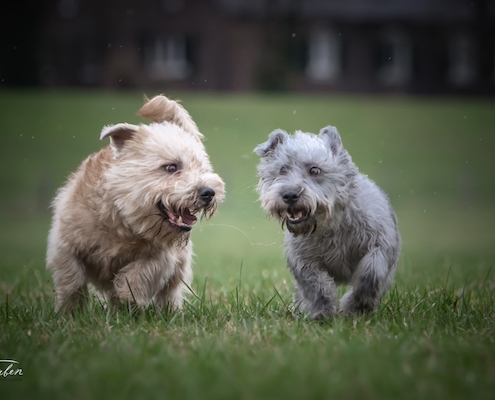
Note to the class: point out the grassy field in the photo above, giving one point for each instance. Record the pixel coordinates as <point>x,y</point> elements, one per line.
<point>433,337</point>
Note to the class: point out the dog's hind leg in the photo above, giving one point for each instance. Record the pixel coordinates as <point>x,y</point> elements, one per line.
<point>69,279</point>
<point>370,281</point>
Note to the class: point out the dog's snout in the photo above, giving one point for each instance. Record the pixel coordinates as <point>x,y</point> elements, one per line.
<point>290,197</point>
<point>206,194</point>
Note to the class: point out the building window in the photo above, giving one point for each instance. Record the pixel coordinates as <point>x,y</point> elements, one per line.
<point>165,58</point>
<point>463,64</point>
<point>324,55</point>
<point>395,65</point>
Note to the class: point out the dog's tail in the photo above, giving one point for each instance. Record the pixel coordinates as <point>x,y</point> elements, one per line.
<point>161,108</point>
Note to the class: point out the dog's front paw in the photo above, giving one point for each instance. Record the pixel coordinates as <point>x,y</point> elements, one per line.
<point>323,310</point>
<point>350,304</point>
<point>323,315</point>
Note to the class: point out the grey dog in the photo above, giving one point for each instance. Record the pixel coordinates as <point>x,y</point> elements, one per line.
<point>341,228</point>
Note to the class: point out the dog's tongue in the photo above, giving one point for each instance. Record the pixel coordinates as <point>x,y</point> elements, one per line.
<point>188,218</point>
<point>297,215</point>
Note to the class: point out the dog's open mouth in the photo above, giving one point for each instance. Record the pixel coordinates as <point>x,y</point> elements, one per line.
<point>295,216</point>
<point>182,219</point>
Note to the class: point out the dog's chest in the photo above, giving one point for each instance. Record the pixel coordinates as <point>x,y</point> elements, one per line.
<point>336,252</point>
<point>102,264</point>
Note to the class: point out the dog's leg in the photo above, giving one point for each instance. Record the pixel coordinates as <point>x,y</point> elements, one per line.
<point>69,279</point>
<point>172,295</point>
<point>316,292</point>
<point>135,283</point>
<point>369,282</point>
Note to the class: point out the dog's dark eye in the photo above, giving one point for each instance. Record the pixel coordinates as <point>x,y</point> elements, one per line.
<point>283,171</point>
<point>314,171</point>
<point>171,168</point>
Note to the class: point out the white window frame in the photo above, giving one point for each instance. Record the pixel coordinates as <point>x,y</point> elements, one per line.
<point>324,55</point>
<point>463,60</point>
<point>399,70</point>
<point>165,58</point>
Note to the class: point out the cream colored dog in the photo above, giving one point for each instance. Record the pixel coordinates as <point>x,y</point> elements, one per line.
<point>122,222</point>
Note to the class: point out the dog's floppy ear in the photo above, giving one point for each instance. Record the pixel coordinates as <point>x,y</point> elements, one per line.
<point>119,134</point>
<point>277,137</point>
<point>331,137</point>
<point>160,108</point>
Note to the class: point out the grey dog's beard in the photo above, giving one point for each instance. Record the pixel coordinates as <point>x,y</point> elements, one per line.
<point>306,227</point>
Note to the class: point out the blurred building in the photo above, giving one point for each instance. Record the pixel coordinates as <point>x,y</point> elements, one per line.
<point>420,46</point>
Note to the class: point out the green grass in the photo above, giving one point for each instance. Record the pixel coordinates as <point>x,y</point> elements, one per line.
<point>433,336</point>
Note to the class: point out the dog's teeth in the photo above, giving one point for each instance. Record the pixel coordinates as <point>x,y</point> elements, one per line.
<point>296,216</point>
<point>179,219</point>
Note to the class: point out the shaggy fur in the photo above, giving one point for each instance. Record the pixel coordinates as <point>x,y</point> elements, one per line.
<point>122,222</point>
<point>341,228</point>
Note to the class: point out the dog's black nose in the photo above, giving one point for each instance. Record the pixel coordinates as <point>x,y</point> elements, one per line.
<point>290,197</point>
<point>206,194</point>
